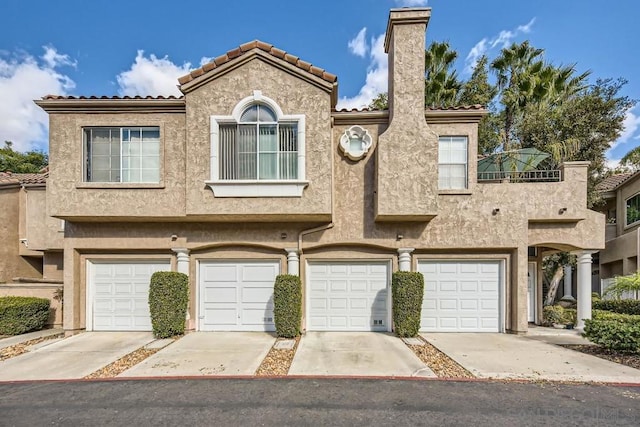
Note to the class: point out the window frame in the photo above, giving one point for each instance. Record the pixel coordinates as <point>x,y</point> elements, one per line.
<point>86,160</point>
<point>626,217</point>
<point>256,187</point>
<point>466,165</point>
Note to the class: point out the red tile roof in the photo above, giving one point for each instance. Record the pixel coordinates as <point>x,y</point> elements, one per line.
<point>612,182</point>
<point>265,47</point>
<point>8,178</point>
<point>111,97</point>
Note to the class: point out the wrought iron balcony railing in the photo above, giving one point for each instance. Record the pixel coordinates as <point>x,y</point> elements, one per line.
<point>528,176</point>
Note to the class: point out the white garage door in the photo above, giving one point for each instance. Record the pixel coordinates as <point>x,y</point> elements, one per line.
<point>237,295</point>
<point>348,296</point>
<point>119,294</point>
<point>461,296</point>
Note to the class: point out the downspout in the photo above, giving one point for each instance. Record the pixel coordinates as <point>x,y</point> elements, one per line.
<point>330,224</point>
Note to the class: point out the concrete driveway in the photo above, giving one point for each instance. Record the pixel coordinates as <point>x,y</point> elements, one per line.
<point>207,353</point>
<point>519,357</point>
<point>356,354</point>
<point>73,357</point>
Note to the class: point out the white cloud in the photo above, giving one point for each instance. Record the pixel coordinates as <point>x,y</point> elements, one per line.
<point>631,126</point>
<point>612,163</point>
<point>24,78</point>
<point>151,76</point>
<point>358,45</point>
<point>377,77</point>
<point>206,60</point>
<point>502,40</point>
<point>411,3</point>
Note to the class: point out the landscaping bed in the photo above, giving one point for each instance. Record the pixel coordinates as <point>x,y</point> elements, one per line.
<point>441,364</point>
<point>18,349</point>
<point>278,361</point>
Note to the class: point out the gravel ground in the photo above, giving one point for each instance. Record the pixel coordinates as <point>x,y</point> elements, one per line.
<point>441,364</point>
<point>125,362</point>
<point>277,361</point>
<point>632,360</point>
<point>18,349</point>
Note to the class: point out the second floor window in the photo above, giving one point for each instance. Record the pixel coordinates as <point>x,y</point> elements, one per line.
<point>122,154</point>
<point>258,147</point>
<point>633,209</point>
<point>452,163</point>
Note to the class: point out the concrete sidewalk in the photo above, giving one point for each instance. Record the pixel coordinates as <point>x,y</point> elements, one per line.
<point>19,339</point>
<point>73,357</point>
<point>207,353</point>
<point>506,356</point>
<point>357,354</point>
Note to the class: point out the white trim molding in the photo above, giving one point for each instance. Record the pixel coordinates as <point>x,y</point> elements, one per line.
<point>355,134</point>
<point>256,188</point>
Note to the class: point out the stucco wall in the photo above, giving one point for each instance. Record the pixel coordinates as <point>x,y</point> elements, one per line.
<point>42,232</point>
<point>294,96</point>
<point>69,197</point>
<point>11,263</point>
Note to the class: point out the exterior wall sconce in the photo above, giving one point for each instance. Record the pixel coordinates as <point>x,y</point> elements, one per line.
<point>399,236</point>
<point>495,211</point>
<point>283,236</point>
<point>174,237</point>
<point>562,210</point>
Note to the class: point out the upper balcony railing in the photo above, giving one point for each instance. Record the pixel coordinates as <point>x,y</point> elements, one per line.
<point>528,176</point>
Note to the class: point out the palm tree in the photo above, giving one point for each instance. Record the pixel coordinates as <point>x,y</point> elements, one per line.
<point>441,83</point>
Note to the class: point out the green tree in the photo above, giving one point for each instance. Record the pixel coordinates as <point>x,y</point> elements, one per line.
<point>17,162</point>
<point>380,102</point>
<point>441,82</point>
<point>479,91</point>
<point>631,160</point>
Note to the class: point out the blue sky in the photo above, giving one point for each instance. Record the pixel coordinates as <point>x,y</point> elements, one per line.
<point>126,47</point>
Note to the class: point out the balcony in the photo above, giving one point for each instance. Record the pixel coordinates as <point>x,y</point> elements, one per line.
<point>519,177</point>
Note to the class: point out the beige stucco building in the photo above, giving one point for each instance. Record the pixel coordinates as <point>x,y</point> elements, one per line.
<point>621,193</point>
<point>253,173</point>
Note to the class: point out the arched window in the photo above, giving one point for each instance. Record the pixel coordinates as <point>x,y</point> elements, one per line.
<point>257,151</point>
<point>258,147</point>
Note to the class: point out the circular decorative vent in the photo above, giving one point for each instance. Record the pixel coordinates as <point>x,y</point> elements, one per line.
<point>355,142</point>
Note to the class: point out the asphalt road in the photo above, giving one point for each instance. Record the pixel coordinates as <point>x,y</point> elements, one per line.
<point>322,402</point>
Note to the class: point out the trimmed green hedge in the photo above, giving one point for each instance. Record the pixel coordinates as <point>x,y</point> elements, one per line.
<point>623,306</point>
<point>610,315</point>
<point>407,289</point>
<point>287,305</point>
<point>614,334</point>
<point>19,315</point>
<point>557,314</point>
<point>168,299</point>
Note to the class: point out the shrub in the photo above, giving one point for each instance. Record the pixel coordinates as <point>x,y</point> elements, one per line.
<point>407,293</point>
<point>610,315</point>
<point>557,314</point>
<point>594,297</point>
<point>168,299</point>
<point>287,305</point>
<point>623,306</point>
<point>19,315</point>
<point>613,334</point>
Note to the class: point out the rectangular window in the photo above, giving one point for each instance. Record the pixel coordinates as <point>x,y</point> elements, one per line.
<point>258,151</point>
<point>130,154</point>
<point>633,209</point>
<point>452,162</point>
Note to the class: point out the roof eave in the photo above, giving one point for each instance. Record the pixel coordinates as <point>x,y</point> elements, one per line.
<point>98,105</point>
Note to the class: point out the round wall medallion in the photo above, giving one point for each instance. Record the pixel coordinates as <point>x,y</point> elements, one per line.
<point>355,142</point>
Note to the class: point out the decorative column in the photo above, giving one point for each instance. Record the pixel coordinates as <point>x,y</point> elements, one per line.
<point>568,280</point>
<point>584,287</point>
<point>183,259</point>
<point>404,259</point>
<point>293,262</point>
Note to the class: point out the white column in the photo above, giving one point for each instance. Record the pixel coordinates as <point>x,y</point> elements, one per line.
<point>567,280</point>
<point>584,287</point>
<point>183,259</point>
<point>404,259</point>
<point>293,262</point>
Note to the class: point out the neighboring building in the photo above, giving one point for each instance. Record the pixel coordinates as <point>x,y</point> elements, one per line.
<point>253,173</point>
<point>621,193</point>
<point>31,249</point>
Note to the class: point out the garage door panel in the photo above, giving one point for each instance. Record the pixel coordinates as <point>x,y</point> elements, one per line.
<point>237,295</point>
<point>120,294</point>
<point>461,296</point>
<point>353,296</point>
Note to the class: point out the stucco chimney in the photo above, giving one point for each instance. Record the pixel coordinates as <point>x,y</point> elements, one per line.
<point>407,151</point>
<point>404,44</point>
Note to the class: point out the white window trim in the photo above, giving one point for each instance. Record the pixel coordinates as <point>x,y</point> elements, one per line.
<point>256,188</point>
<point>466,165</point>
